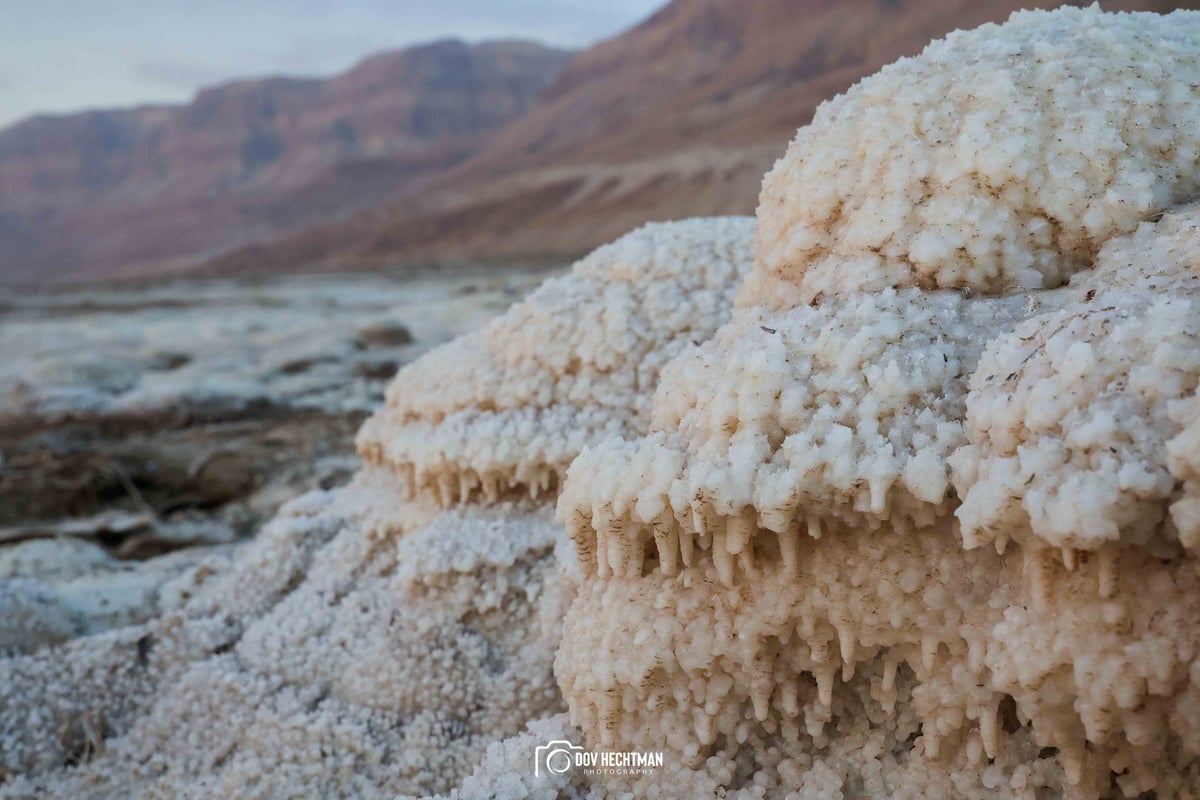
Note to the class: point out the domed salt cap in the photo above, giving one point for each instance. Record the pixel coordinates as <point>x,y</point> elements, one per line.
<point>784,423</point>
<point>999,159</point>
<point>1078,434</point>
<point>506,409</point>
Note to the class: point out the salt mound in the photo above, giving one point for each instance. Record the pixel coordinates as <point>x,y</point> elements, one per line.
<point>801,585</point>
<point>785,588</point>
<point>504,410</point>
<point>1069,414</point>
<point>340,655</point>
<point>999,159</point>
<point>370,642</point>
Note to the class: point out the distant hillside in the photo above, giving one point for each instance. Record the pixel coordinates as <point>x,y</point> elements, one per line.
<point>677,117</point>
<point>139,191</point>
<point>450,152</point>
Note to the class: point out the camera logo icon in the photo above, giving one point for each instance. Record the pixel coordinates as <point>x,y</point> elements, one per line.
<point>555,757</point>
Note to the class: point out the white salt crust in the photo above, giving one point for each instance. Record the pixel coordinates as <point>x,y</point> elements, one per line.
<point>999,159</point>
<point>505,409</point>
<point>785,422</point>
<point>336,658</point>
<point>1068,423</point>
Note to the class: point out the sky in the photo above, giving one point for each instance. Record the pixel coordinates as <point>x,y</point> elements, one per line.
<point>67,55</point>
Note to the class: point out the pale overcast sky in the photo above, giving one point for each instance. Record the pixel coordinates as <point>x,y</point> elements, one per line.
<point>68,55</point>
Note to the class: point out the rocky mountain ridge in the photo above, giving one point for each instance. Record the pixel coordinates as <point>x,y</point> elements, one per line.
<point>149,190</point>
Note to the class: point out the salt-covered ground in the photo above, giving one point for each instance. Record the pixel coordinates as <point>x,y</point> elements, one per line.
<point>139,421</point>
<point>146,434</point>
<point>324,342</point>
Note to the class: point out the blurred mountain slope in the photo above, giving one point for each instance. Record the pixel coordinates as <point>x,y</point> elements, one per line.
<point>679,116</point>
<point>146,190</point>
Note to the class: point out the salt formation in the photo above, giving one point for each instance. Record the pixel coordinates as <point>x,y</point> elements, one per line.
<point>844,412</point>
<point>921,519</point>
<point>1069,414</point>
<point>504,410</point>
<point>999,159</point>
<point>370,643</point>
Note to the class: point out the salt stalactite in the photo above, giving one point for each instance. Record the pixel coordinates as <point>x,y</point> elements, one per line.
<point>932,489</point>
